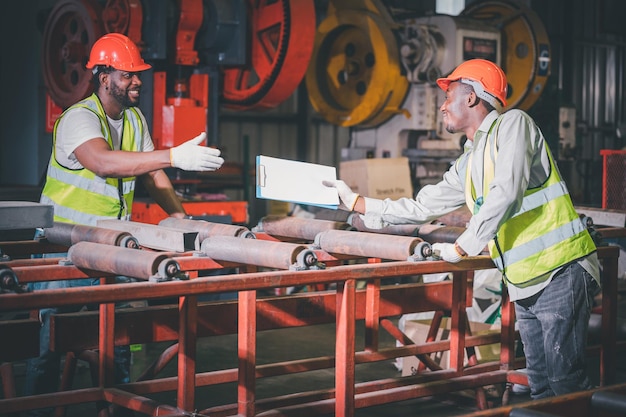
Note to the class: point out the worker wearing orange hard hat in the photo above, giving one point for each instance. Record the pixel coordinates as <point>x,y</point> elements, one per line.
<point>101,146</point>
<point>521,210</point>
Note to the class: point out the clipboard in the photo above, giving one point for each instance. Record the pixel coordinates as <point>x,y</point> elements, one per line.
<point>295,182</point>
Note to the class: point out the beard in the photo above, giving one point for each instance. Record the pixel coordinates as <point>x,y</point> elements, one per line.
<point>123,98</point>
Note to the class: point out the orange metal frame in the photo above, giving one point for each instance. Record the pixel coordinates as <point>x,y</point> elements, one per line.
<point>606,154</point>
<point>347,394</point>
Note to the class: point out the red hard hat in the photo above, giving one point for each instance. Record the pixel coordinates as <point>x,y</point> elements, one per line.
<point>488,76</point>
<point>117,51</point>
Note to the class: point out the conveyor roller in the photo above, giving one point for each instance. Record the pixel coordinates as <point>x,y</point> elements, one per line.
<point>68,234</point>
<point>431,233</point>
<point>609,401</point>
<point>297,227</point>
<point>9,281</point>
<point>206,229</point>
<point>373,245</point>
<point>142,264</point>
<point>397,229</point>
<point>265,253</point>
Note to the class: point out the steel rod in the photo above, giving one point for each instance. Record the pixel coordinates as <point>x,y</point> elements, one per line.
<point>367,244</point>
<point>206,229</point>
<point>68,234</point>
<point>265,253</point>
<point>115,260</point>
<point>297,227</point>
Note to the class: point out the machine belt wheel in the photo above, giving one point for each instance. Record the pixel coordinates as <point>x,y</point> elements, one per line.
<point>525,51</point>
<point>241,91</point>
<point>355,77</point>
<point>71,29</point>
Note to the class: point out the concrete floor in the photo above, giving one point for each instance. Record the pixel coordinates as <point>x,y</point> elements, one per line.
<point>220,353</point>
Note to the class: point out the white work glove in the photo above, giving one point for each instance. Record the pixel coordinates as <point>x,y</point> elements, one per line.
<point>346,195</point>
<point>191,156</point>
<point>447,252</point>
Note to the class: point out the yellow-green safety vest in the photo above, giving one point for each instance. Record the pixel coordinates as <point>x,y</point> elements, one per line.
<point>544,234</point>
<point>79,195</point>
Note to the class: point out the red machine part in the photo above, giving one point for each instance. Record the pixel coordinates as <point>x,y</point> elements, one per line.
<point>71,29</point>
<point>124,16</point>
<point>281,41</point>
<point>189,22</point>
<point>183,116</point>
<point>148,212</point>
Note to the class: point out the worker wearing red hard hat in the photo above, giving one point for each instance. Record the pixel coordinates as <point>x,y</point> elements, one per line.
<point>521,210</point>
<point>101,146</point>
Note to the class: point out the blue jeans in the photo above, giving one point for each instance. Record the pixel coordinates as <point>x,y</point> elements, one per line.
<point>42,372</point>
<point>553,326</point>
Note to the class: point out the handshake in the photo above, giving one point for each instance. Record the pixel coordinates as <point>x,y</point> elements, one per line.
<point>191,156</point>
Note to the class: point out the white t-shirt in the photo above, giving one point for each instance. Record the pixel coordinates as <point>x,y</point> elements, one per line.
<point>79,125</point>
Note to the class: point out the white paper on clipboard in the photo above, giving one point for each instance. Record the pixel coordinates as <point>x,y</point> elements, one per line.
<point>295,182</point>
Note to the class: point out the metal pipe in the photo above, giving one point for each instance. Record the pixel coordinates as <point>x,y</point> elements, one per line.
<point>133,263</point>
<point>8,280</point>
<point>279,255</point>
<point>431,233</point>
<point>436,233</point>
<point>371,245</point>
<point>297,227</point>
<point>68,234</point>
<point>609,401</point>
<point>206,229</point>
<point>527,412</point>
<point>397,229</point>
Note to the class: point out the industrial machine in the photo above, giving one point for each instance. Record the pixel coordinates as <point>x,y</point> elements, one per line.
<point>376,73</point>
<point>243,55</point>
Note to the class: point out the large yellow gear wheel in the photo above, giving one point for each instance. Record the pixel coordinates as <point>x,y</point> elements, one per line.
<point>525,48</point>
<point>355,75</point>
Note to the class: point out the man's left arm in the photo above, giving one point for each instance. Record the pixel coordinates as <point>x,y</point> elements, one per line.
<point>161,190</point>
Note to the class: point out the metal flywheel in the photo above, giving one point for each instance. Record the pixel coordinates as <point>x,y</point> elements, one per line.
<point>70,30</point>
<point>355,76</point>
<point>525,50</point>
<point>280,45</point>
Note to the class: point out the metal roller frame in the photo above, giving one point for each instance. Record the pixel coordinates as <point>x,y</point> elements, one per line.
<point>297,227</point>
<point>374,245</point>
<point>68,234</point>
<point>207,229</point>
<point>265,253</point>
<point>147,265</point>
<point>9,281</point>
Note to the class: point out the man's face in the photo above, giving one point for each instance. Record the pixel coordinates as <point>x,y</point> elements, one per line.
<point>455,106</point>
<point>126,87</point>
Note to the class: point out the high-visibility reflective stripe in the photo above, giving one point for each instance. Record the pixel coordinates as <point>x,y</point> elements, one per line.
<point>521,252</point>
<point>96,185</point>
<point>539,198</point>
<point>76,216</point>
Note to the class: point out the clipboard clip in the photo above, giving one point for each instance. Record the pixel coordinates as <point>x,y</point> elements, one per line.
<point>261,176</point>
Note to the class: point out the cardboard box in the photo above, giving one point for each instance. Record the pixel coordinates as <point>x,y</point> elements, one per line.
<point>378,177</point>
<point>417,330</point>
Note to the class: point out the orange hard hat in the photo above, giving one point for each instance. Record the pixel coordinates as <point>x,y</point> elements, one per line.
<point>117,51</point>
<point>487,78</point>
